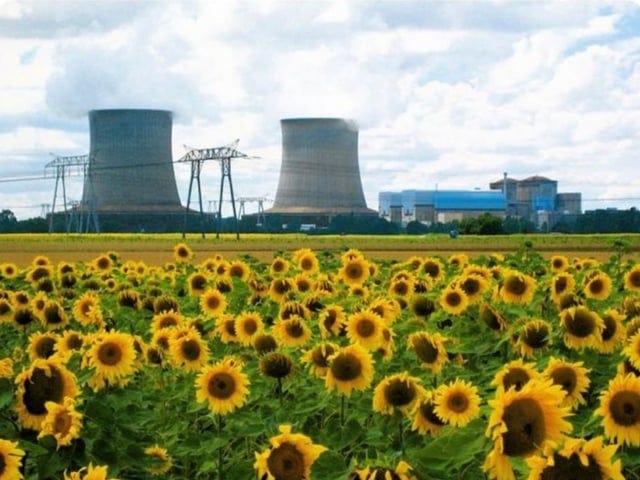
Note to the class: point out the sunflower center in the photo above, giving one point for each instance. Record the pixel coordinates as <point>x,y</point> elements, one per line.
<point>432,269</point>
<point>278,266</point>
<point>560,285</point>
<point>515,377</point>
<point>52,315</point>
<point>566,378</point>
<point>41,388</point>
<point>306,263</point>
<point>427,411</point>
<point>490,317</point>
<point>4,308</point>
<point>221,386</point>
<point>3,464</point>
<point>596,286</point>
<point>329,319</point>
<point>471,286</point>
<point>453,299</point>
<point>86,307</point>
<point>44,348</point>
<point>23,316</point>
<point>458,402</point>
<point>423,307</point>
<point>191,349</point>
<point>425,350</point>
<point>167,322</point>
<point>250,326</point>
<point>384,474</point>
<point>399,393</point>
<point>354,271</point>
<point>62,423</point>
<point>320,355</point>
<point>401,288</point>
<point>109,354</point>
<point>153,356</point>
<point>634,278</point>
<point>525,424</point>
<point>535,336</point>
<point>281,286</point>
<point>294,328</point>
<point>515,285</point>
<point>581,324</point>
<point>365,328</point>
<point>213,302</point>
<point>276,365</point>
<point>286,462</point>
<point>346,367</point>
<point>625,408</point>
<point>571,468</point>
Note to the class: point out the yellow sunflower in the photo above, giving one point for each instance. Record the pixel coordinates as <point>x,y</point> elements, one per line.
<point>350,368</point>
<point>425,419</point>
<point>522,422</point>
<point>6,368</point>
<point>293,332</point>
<point>276,365</point>
<point>182,253</point>
<point>576,458</point>
<point>572,377</point>
<point>62,421</point>
<point>37,273</point>
<point>517,287</point>
<point>582,327</point>
<point>197,283</point>
<point>162,461</point>
<point>239,269</point>
<point>102,263</point>
<point>264,343</point>
<point>403,471</point>
<point>279,266</point>
<point>365,329</point>
<point>226,329</point>
<point>597,286</point>
<point>561,284</point>
<point>280,287</point>
<point>42,345</point>
<point>613,333</point>
<point>54,316</point>
<point>88,473</point>
<point>474,285</point>
<point>399,392</point>
<point>492,317</point>
<point>44,381</point>
<point>291,308</point>
<point>458,260</point>
<point>401,287</point>
<point>389,309</point>
<point>453,300</point>
<point>306,260</point>
<point>223,386</point>
<point>559,263</point>
<point>354,272</point>
<point>10,460</point>
<point>620,409</point>
<point>290,456</point>
<point>20,298</point>
<point>433,268</point>
<point>302,282</point>
<point>515,374</point>
<point>166,319</point>
<point>188,350</point>
<point>9,270</point>
<point>457,403</point>
<point>112,355</point>
<point>533,336</point>
<point>421,306</point>
<point>87,311</point>
<point>430,350</point>
<point>6,310</point>
<point>247,326</point>
<point>318,358</point>
<point>213,302</point>
<point>332,321</point>
<point>129,298</point>
<point>632,279</point>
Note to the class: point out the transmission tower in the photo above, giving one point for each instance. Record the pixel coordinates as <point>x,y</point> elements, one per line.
<point>259,200</point>
<point>197,157</point>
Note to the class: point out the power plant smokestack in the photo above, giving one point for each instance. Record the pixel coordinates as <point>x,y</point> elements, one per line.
<point>130,166</point>
<point>319,173</point>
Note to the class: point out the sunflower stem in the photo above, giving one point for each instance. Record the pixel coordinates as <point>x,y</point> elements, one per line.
<point>342,408</point>
<point>279,390</point>
<point>220,452</point>
<point>401,438</point>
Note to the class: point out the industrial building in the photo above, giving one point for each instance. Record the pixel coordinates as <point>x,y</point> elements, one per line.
<point>319,173</point>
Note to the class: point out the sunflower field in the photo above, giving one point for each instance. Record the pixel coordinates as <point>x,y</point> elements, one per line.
<point>321,364</point>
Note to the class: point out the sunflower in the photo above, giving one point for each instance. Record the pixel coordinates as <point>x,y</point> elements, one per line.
<point>561,284</point>
<point>354,271</point>
<point>9,270</point>
<point>290,456</point>
<point>188,350</point>
<point>6,310</point>
<point>38,302</point>
<point>23,317</point>
<point>324,285</point>
<point>62,421</point>
<point>162,462</point>
<point>453,300</point>
<point>517,287</point>
<point>492,317</point>
<point>197,283</point>
<point>559,263</point>
<point>389,309</point>
<point>44,381</point>
<point>474,285</point>
<point>534,335</point>
<point>247,326</point>
<point>102,263</point>
<point>365,329</point>
<point>264,343</point>
<point>280,287</point>
<point>92,473</point>
<point>582,327</point>
<point>182,253</point>
<point>10,460</point>
<point>223,386</point>
<point>302,282</point>
<point>276,365</point>
<point>515,374</point>
<point>165,303</point>
<point>293,332</point>
<point>458,260</point>
<point>290,309</point>
<point>213,302</point>
<point>332,320</point>
<point>71,341</point>
<point>572,377</point>
<point>166,319</point>
<point>359,291</point>
<point>398,392</point>
<point>318,358</point>
<point>239,269</point>
<point>433,268</point>
<point>38,273</point>
<point>620,409</point>
<point>403,471</point>
<point>54,316</point>
<point>87,311</point>
<point>279,266</point>
<point>350,368</point>
<point>42,345</point>
<point>421,306</point>
<point>6,368</point>
<point>226,329</point>
<point>457,403</point>
<point>425,419</point>
<point>632,279</point>
<point>578,458</point>
<point>523,421</point>
<point>401,287</point>
<point>129,298</point>
<point>597,286</point>
<point>20,298</point>
<point>430,350</point>
<point>306,260</point>
<point>112,355</point>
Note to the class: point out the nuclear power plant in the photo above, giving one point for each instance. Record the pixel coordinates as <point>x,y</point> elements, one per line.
<point>319,173</point>
<point>130,177</point>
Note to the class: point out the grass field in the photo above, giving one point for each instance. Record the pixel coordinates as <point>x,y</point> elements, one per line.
<point>156,249</point>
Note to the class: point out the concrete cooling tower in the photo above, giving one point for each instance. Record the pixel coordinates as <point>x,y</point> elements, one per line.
<point>319,174</point>
<point>130,169</point>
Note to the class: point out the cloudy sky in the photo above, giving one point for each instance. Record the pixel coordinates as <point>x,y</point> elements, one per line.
<point>447,94</point>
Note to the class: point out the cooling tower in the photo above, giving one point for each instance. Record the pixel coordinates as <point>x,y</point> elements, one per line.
<point>130,168</point>
<point>319,173</point>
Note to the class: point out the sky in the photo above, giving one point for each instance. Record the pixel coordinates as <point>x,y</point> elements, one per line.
<point>446,94</point>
